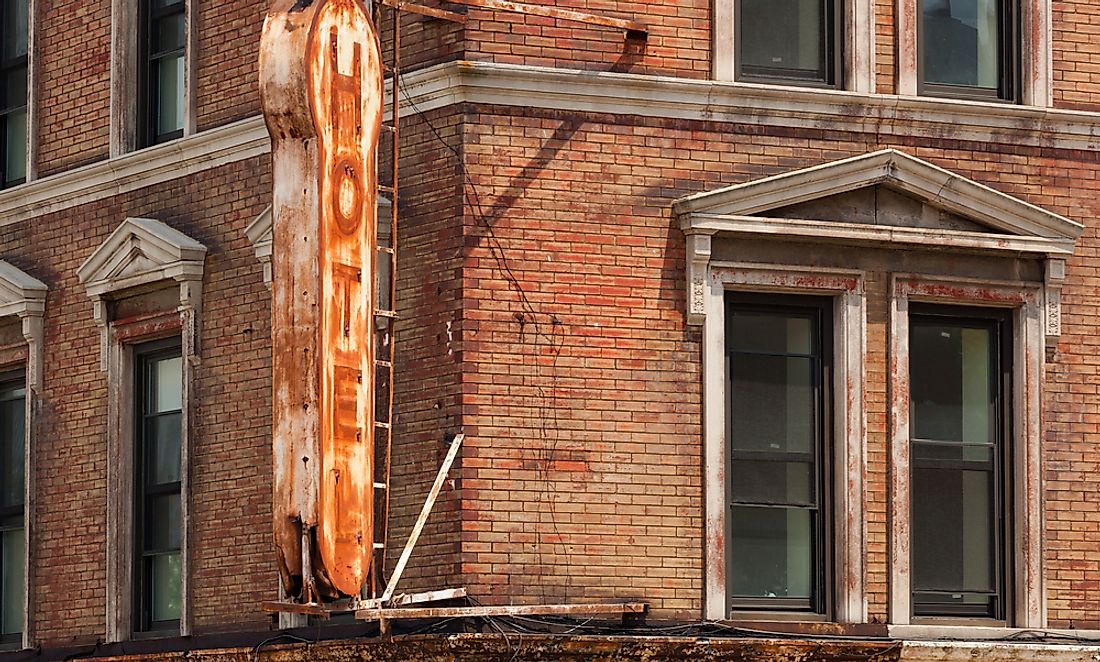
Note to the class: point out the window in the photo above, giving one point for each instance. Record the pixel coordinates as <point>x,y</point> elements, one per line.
<point>778,358</point>
<point>12,397</point>
<point>967,48</point>
<point>161,81</point>
<point>960,378</point>
<point>13,88</point>
<point>789,41</point>
<point>157,517</point>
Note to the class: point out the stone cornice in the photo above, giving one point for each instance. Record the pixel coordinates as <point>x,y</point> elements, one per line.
<point>581,91</point>
<point>172,160</point>
<point>768,105</point>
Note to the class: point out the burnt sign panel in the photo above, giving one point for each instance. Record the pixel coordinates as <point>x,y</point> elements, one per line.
<point>321,87</point>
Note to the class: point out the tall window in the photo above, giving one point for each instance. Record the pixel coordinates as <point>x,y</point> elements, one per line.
<point>789,41</point>
<point>162,44</point>
<point>778,354</point>
<point>967,48</point>
<point>960,379</point>
<point>159,394</point>
<point>12,396</point>
<point>13,91</point>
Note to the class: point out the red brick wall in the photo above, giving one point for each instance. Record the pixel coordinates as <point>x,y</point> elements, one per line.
<point>229,49</point>
<point>679,38</point>
<point>233,566</point>
<point>1076,49</point>
<point>886,46</point>
<point>74,42</point>
<point>583,477</point>
<point>429,358</point>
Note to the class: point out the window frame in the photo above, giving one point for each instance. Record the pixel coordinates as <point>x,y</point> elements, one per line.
<point>821,603</point>
<point>7,67</point>
<point>999,321</point>
<point>14,378</point>
<point>1009,62</point>
<point>846,290</point>
<point>145,355</point>
<point>1025,606</point>
<point>148,100</point>
<point>832,55</point>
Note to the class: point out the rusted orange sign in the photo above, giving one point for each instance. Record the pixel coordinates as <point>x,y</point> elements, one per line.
<point>321,89</point>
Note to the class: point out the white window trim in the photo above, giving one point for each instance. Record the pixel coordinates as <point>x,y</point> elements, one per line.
<point>125,51</point>
<point>848,602</point>
<point>858,36</point>
<point>142,254</point>
<point>1036,64</point>
<point>1028,608</point>
<point>24,297</point>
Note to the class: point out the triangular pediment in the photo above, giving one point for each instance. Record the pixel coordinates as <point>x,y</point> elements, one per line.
<point>20,293</point>
<point>141,251</point>
<point>886,189</point>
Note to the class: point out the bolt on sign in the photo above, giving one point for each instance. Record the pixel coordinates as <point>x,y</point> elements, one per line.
<point>321,90</point>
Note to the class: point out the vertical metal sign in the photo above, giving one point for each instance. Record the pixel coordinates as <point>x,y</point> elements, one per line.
<point>321,89</point>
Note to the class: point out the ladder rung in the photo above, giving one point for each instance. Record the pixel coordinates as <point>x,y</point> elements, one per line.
<point>379,363</point>
<point>385,313</point>
<point>389,127</point>
<point>379,545</point>
<point>385,249</point>
<point>379,486</point>
<point>381,424</point>
<point>385,189</point>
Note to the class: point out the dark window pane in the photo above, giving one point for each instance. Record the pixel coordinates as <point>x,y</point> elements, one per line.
<point>162,523</point>
<point>11,581</point>
<point>783,37</point>
<point>169,94</point>
<point>168,34</point>
<point>773,403</point>
<point>165,587</point>
<point>15,142</point>
<point>775,482</point>
<point>14,30</point>
<point>773,333</point>
<point>772,552</point>
<point>165,4</point>
<point>951,383</point>
<point>15,88</point>
<point>11,427</point>
<point>163,449</point>
<point>961,42</point>
<point>953,530</point>
<point>166,385</point>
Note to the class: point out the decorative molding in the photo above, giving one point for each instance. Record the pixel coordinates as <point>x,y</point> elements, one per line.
<point>136,170</point>
<point>698,264</point>
<point>582,91</point>
<point>898,170</point>
<point>143,252</point>
<point>885,115</point>
<point>1021,228</point>
<point>260,234</point>
<point>1054,276</point>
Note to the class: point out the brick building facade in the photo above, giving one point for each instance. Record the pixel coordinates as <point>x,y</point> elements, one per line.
<point>583,218</point>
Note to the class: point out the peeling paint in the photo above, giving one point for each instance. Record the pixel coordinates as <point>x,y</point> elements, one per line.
<point>321,88</point>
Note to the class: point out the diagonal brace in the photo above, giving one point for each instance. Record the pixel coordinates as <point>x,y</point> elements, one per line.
<point>422,519</point>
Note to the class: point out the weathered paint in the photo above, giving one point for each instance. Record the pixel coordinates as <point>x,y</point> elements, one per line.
<point>321,88</point>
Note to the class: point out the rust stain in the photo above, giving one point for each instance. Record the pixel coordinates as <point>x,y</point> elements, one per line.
<point>321,88</point>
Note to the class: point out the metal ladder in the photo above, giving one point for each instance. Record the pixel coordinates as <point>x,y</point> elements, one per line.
<point>384,298</point>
